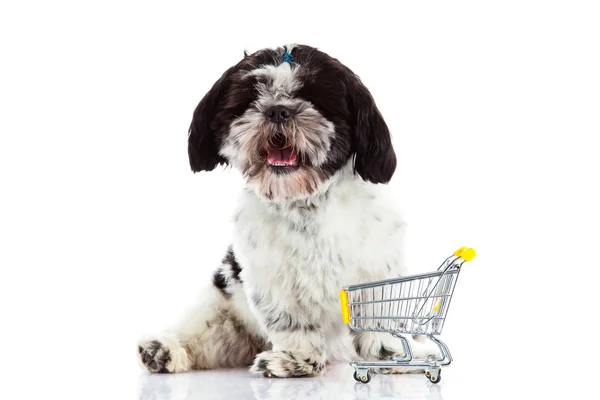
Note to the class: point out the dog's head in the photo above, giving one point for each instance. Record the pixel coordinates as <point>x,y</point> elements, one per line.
<point>290,118</point>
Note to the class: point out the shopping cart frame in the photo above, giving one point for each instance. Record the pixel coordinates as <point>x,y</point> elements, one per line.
<point>425,310</point>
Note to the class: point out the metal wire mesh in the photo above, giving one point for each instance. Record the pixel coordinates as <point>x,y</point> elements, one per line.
<point>413,305</point>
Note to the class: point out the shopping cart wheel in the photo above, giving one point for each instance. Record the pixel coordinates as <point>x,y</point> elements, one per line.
<point>434,376</point>
<point>363,377</point>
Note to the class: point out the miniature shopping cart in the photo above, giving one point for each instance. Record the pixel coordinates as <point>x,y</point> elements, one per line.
<point>413,305</point>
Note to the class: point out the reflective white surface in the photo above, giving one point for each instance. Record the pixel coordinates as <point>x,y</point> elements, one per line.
<point>335,383</point>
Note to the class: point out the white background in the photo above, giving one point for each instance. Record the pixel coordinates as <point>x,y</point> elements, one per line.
<point>106,234</point>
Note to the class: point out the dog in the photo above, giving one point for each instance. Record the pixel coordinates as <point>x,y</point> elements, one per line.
<point>314,150</point>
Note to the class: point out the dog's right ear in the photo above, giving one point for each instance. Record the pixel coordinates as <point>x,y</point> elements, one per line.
<point>203,140</point>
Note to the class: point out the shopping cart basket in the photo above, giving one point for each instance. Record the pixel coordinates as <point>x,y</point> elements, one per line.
<point>412,305</point>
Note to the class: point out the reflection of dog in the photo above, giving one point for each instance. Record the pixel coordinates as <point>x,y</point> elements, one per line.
<point>311,144</point>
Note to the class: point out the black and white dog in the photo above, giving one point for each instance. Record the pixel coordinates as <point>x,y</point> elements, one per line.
<point>312,145</point>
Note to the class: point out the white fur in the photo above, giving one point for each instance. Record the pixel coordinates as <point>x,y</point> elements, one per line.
<point>178,357</point>
<point>282,80</point>
<point>295,257</point>
<point>344,244</point>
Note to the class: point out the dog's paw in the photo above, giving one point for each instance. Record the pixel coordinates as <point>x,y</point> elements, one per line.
<point>398,370</point>
<point>163,355</point>
<point>388,356</point>
<point>421,352</point>
<point>155,356</point>
<point>286,364</point>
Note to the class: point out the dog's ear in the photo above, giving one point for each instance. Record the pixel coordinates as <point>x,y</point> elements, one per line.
<point>374,156</point>
<point>203,140</point>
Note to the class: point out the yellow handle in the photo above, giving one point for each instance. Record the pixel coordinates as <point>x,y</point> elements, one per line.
<point>459,251</point>
<point>467,254</point>
<point>345,306</point>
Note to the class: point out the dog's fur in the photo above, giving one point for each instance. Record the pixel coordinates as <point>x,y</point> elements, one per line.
<point>301,231</point>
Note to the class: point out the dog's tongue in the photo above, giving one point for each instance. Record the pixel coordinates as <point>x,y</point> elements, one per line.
<point>281,157</point>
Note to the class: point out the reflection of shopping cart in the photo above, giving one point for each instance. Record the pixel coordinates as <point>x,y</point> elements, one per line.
<point>413,305</point>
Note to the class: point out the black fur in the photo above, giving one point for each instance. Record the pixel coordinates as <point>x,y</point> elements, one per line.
<point>222,278</point>
<point>385,353</point>
<point>203,145</point>
<point>262,364</point>
<point>225,101</point>
<point>236,269</point>
<point>374,156</point>
<point>332,88</point>
<point>220,283</point>
<point>356,340</point>
<point>360,129</point>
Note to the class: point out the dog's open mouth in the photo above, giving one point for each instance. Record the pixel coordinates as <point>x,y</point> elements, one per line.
<point>280,156</point>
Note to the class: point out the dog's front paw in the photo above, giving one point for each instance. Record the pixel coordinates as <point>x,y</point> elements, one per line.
<point>386,355</point>
<point>286,364</point>
<point>398,370</point>
<point>163,355</point>
<point>155,356</point>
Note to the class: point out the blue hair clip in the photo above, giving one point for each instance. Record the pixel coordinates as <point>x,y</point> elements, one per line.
<point>287,57</point>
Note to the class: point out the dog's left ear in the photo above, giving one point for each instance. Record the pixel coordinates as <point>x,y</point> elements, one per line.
<point>375,159</point>
<point>203,140</point>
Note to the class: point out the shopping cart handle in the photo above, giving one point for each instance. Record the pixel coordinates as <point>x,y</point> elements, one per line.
<point>468,254</point>
<point>345,306</point>
<point>459,251</point>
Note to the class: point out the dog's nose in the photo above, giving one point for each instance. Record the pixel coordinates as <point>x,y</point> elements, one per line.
<point>278,114</point>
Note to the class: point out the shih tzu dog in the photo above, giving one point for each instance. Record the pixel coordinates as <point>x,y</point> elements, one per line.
<point>313,147</point>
